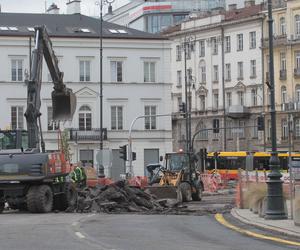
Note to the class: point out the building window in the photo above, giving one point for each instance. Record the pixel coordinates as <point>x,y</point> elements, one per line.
<point>252,68</point>
<point>215,73</point>
<point>241,129</point>
<point>17,117</point>
<point>282,26</point>
<point>178,53</point>
<point>215,101</point>
<point>150,121</point>
<point>16,70</point>
<point>241,97</point>
<point>284,129</point>
<point>52,125</point>
<point>116,70</point>
<point>239,42</point>
<point>255,129</point>
<point>202,102</point>
<point>282,61</point>
<point>252,40</point>
<point>116,117</point>
<point>229,99</point>
<point>297,57</point>
<point>227,71</point>
<point>202,70</point>
<point>179,78</point>
<point>189,76</point>
<point>254,97</point>
<point>297,25</point>
<point>149,71</point>
<point>188,50</point>
<point>85,118</point>
<point>203,135</point>
<point>297,128</point>
<point>240,71</point>
<point>298,93</point>
<point>283,95</point>
<point>269,129</point>
<point>201,48</point>
<point>85,70</point>
<point>214,45</point>
<point>227,44</point>
<point>229,130</point>
<point>179,102</point>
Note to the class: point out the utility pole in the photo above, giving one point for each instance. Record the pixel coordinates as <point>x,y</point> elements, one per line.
<point>275,204</point>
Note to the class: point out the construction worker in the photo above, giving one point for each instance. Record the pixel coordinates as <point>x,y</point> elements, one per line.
<point>78,176</point>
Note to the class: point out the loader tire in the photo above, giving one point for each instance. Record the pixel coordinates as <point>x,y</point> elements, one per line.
<point>2,205</point>
<point>186,191</point>
<point>31,199</point>
<point>197,196</point>
<point>43,199</point>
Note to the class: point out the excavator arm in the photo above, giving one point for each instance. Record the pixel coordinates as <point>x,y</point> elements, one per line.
<point>63,99</point>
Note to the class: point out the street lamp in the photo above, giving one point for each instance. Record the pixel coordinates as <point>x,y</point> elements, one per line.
<point>275,205</point>
<point>100,4</point>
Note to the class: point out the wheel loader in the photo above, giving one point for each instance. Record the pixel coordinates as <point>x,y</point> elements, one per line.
<point>176,179</point>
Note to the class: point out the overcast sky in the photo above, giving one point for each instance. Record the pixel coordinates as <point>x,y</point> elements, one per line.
<point>88,7</point>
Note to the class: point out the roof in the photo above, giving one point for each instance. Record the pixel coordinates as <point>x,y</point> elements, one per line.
<point>61,25</point>
<point>243,12</point>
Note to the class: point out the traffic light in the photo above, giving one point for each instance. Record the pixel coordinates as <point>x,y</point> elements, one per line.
<point>216,126</point>
<point>260,123</point>
<point>133,156</point>
<point>123,152</point>
<point>182,107</point>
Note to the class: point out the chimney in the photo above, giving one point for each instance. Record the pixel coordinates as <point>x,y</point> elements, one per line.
<point>73,7</point>
<point>232,6</point>
<point>249,3</point>
<point>53,9</point>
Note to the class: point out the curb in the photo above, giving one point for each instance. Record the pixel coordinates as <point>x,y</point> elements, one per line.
<point>283,231</point>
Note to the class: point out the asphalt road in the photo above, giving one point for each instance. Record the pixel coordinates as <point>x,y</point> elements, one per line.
<point>24,231</point>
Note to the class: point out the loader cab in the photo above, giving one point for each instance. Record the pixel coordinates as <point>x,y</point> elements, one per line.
<point>13,139</point>
<point>176,161</point>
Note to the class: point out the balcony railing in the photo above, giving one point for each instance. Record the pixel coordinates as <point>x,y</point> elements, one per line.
<point>282,75</point>
<point>87,135</point>
<point>297,72</point>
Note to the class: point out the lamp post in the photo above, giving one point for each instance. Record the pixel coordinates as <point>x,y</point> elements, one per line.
<point>275,205</point>
<point>100,4</point>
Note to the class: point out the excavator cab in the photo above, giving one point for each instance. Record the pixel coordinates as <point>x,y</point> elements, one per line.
<point>64,104</point>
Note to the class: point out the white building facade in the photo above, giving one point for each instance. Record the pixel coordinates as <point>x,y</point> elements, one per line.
<point>224,78</point>
<point>136,81</point>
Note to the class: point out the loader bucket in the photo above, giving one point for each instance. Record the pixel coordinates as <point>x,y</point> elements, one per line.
<point>165,192</point>
<point>64,105</point>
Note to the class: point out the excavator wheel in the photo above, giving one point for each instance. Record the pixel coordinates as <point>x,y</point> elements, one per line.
<point>2,205</point>
<point>67,199</point>
<point>186,191</point>
<point>30,197</point>
<point>40,199</point>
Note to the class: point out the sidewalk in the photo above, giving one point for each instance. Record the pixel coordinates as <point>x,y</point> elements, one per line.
<point>286,227</point>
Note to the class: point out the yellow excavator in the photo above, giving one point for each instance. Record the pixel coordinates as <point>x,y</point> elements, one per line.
<point>176,179</point>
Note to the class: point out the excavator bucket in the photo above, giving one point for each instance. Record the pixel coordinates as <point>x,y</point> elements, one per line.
<point>64,105</point>
<point>165,192</point>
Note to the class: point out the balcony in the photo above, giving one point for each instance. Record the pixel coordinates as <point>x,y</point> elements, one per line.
<point>297,72</point>
<point>282,74</point>
<point>87,135</point>
<point>238,111</point>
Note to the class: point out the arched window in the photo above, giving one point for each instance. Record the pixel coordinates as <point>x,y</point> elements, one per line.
<point>85,118</point>
<point>297,93</point>
<point>283,94</point>
<point>284,129</point>
<point>202,72</point>
<point>203,135</point>
<point>282,26</point>
<point>297,24</point>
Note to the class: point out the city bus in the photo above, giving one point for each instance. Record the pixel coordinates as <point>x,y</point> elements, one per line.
<point>228,163</point>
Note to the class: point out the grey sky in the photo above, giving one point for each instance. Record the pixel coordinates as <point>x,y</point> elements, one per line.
<point>88,7</point>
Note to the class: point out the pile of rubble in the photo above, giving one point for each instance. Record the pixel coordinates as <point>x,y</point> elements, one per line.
<point>117,198</point>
